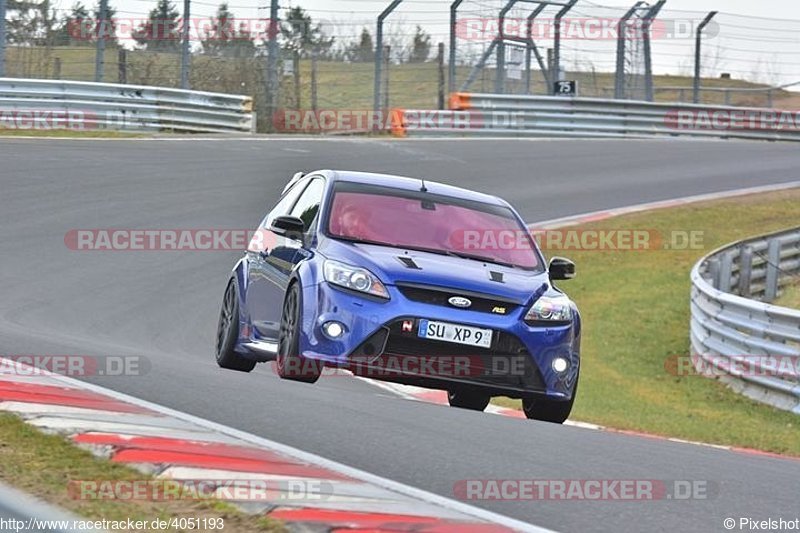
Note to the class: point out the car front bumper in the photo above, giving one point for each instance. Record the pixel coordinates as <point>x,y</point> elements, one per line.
<point>380,341</point>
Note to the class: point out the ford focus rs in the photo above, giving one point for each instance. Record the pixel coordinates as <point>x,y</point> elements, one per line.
<point>404,280</point>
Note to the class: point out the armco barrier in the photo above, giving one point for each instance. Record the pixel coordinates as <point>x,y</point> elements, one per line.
<point>50,104</point>
<point>754,346</point>
<point>549,116</point>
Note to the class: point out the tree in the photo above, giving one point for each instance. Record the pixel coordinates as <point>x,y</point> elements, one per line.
<point>76,29</point>
<point>420,47</point>
<point>301,36</point>
<point>224,39</point>
<point>161,32</point>
<point>362,51</point>
<point>106,26</point>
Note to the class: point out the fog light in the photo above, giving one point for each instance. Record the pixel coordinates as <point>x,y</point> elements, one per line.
<point>333,329</point>
<point>560,364</point>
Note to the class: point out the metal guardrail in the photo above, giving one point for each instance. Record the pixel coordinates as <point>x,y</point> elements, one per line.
<point>754,346</point>
<point>551,116</point>
<point>52,104</point>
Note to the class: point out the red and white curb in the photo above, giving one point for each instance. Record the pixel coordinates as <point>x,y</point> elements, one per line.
<point>176,446</point>
<point>440,397</point>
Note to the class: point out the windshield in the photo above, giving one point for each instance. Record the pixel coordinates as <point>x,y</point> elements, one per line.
<point>433,223</point>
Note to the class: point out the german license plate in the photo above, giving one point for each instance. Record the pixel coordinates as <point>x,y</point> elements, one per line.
<point>455,333</point>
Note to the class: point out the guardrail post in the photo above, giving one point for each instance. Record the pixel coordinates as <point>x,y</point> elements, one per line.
<point>773,263</point>
<point>556,74</point>
<point>451,82</point>
<point>648,54</point>
<point>376,98</point>
<point>697,59</point>
<point>622,30</point>
<point>185,57</point>
<point>725,269</point>
<point>745,271</point>
<point>712,268</point>
<point>2,38</point>
<point>100,54</point>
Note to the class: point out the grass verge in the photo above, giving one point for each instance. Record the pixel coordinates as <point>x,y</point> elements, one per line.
<point>43,465</point>
<point>635,308</point>
<point>790,297</point>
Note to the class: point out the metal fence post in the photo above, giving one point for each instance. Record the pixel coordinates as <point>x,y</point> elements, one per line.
<point>314,68</point>
<point>185,57</point>
<point>556,74</point>
<point>2,38</point>
<point>272,62</point>
<point>773,262</point>
<point>500,68</point>
<point>648,58</point>
<point>451,82</point>
<point>440,67</point>
<point>531,47</point>
<point>376,99</point>
<point>387,62</point>
<point>697,58</point>
<point>100,54</point>
<point>122,65</point>
<point>622,30</point>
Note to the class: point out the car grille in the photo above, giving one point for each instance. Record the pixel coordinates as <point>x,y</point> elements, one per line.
<point>440,296</point>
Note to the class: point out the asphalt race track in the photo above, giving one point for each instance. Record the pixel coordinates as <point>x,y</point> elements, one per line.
<point>164,305</point>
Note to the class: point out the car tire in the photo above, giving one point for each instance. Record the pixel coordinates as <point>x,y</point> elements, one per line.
<point>545,410</point>
<point>289,363</point>
<point>474,401</point>
<point>228,333</point>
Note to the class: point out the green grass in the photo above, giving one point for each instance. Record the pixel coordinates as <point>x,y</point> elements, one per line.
<point>340,85</point>
<point>635,309</point>
<point>790,297</point>
<point>43,465</point>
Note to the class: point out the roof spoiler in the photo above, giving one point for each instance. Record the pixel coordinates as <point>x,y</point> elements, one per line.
<point>297,177</point>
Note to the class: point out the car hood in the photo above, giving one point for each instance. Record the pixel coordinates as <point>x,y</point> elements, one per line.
<point>392,266</point>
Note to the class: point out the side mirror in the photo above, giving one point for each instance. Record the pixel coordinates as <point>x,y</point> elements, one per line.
<point>291,227</point>
<point>561,269</point>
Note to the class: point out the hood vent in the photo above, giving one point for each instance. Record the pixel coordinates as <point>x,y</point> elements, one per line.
<point>496,276</point>
<point>409,263</point>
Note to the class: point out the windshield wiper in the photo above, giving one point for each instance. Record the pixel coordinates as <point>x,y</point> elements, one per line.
<point>484,259</point>
<point>359,240</point>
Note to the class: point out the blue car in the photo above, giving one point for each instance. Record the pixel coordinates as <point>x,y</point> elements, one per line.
<point>404,280</point>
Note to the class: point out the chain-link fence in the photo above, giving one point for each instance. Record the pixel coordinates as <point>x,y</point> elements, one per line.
<point>327,52</point>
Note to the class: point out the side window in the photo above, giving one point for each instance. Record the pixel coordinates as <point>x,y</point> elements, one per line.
<point>307,206</point>
<point>285,204</point>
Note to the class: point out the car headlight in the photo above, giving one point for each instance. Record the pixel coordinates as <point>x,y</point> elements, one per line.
<point>550,310</point>
<point>354,278</point>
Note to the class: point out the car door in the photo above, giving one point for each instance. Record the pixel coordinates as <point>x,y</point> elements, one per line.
<point>270,262</point>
